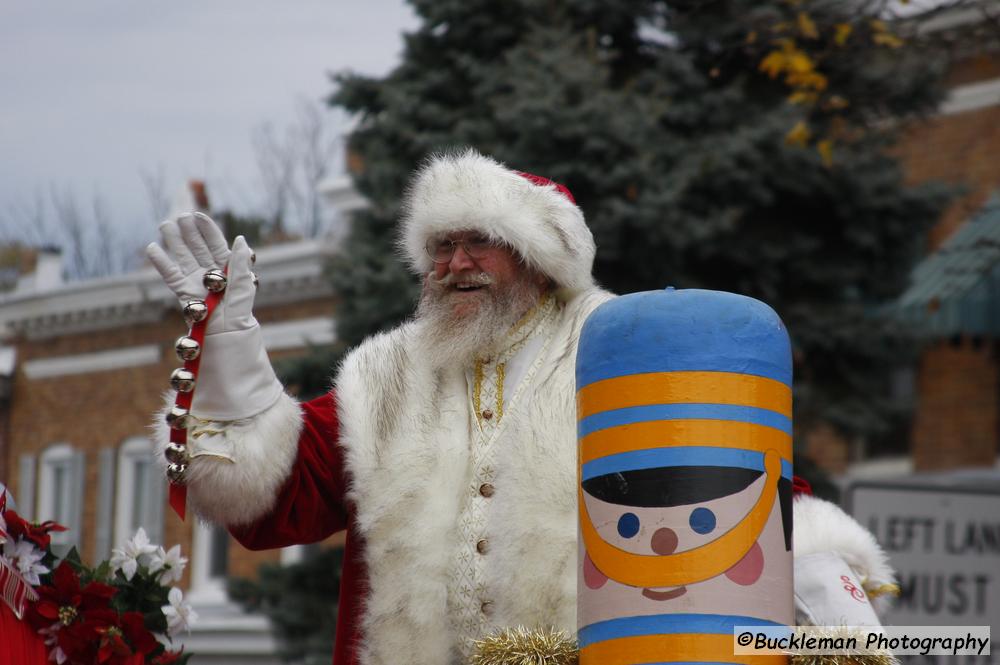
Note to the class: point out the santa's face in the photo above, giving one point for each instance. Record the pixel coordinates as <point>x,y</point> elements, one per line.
<point>489,272</point>
<point>747,587</point>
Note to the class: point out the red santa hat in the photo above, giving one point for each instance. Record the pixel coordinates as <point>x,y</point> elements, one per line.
<point>536,217</point>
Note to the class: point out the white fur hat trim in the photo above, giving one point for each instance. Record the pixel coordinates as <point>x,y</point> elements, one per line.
<point>469,191</point>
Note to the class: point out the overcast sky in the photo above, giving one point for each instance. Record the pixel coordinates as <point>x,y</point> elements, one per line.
<point>95,92</point>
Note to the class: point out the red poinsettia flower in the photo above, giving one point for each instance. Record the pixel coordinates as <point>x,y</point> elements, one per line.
<point>18,527</point>
<point>113,649</point>
<point>138,635</point>
<point>82,639</point>
<point>65,601</point>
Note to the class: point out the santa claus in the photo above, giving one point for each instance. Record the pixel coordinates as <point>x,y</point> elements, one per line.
<point>446,447</point>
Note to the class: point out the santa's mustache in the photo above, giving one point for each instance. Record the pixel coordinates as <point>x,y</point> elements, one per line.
<point>478,279</point>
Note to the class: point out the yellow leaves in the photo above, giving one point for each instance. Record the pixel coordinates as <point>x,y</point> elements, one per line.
<point>825,149</point>
<point>842,31</point>
<point>798,68</point>
<point>773,64</point>
<point>887,39</point>
<point>798,62</point>
<point>807,27</point>
<point>809,79</point>
<point>798,135</point>
<point>882,36</point>
<point>803,97</point>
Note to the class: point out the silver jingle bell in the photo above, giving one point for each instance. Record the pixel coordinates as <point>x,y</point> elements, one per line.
<point>176,453</point>
<point>195,312</point>
<point>215,281</point>
<point>175,472</point>
<point>187,348</point>
<point>177,417</point>
<point>256,281</point>
<point>182,380</point>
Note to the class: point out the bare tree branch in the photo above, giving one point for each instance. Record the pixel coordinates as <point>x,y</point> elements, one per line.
<point>276,165</point>
<point>319,145</point>
<point>155,185</point>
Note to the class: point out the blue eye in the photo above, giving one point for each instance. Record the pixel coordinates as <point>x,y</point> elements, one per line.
<point>702,520</point>
<point>628,525</point>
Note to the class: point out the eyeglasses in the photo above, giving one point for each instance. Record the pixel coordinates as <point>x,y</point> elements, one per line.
<point>442,250</point>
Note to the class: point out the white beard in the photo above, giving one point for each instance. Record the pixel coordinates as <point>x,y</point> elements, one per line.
<point>449,337</point>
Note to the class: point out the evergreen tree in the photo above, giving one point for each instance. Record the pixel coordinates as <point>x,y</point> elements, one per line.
<point>300,600</point>
<point>730,144</point>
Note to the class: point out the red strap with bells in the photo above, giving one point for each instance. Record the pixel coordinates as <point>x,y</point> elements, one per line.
<point>178,491</point>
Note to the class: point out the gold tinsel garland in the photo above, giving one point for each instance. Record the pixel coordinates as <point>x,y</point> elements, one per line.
<point>521,646</point>
<point>852,657</point>
<point>878,659</point>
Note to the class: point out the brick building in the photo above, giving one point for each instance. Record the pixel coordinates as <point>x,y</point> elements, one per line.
<point>953,300</point>
<point>83,366</point>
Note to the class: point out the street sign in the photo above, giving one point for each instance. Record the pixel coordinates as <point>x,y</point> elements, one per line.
<point>944,543</point>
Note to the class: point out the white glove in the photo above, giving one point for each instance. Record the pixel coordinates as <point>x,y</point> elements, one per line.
<point>828,592</point>
<point>235,379</point>
<point>842,575</point>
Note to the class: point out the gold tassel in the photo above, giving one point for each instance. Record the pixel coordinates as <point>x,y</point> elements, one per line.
<point>520,646</point>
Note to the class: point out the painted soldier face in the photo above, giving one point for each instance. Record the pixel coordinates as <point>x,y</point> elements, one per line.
<point>682,517</point>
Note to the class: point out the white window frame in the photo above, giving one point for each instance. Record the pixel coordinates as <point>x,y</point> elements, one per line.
<point>131,452</point>
<point>206,588</point>
<point>56,456</point>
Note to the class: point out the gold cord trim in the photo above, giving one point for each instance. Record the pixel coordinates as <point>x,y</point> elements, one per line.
<point>500,379</point>
<point>205,432</point>
<point>530,314</point>
<point>477,391</point>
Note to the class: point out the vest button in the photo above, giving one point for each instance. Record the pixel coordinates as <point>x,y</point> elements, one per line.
<point>486,490</point>
<point>482,546</point>
<point>487,414</point>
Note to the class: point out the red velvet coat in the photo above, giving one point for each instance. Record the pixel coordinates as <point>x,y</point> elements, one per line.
<point>310,507</point>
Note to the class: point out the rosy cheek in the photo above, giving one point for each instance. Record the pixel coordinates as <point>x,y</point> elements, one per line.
<point>749,568</point>
<point>592,577</point>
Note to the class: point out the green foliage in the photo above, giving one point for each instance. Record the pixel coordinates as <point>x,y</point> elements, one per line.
<point>251,228</point>
<point>309,376</point>
<point>692,158</point>
<point>301,602</point>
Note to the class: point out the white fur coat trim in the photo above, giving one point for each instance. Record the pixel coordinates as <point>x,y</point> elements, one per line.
<point>470,191</point>
<point>821,526</point>
<point>404,428</point>
<point>238,467</point>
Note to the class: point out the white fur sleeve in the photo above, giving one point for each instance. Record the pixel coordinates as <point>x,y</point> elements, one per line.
<point>238,467</point>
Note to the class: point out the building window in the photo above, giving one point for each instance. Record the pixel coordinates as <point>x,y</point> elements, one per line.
<point>209,565</point>
<point>60,490</point>
<point>139,495</point>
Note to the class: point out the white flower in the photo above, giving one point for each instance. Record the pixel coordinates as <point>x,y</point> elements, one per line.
<point>180,616</point>
<point>127,559</point>
<point>56,654</point>
<point>27,559</point>
<point>171,563</point>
